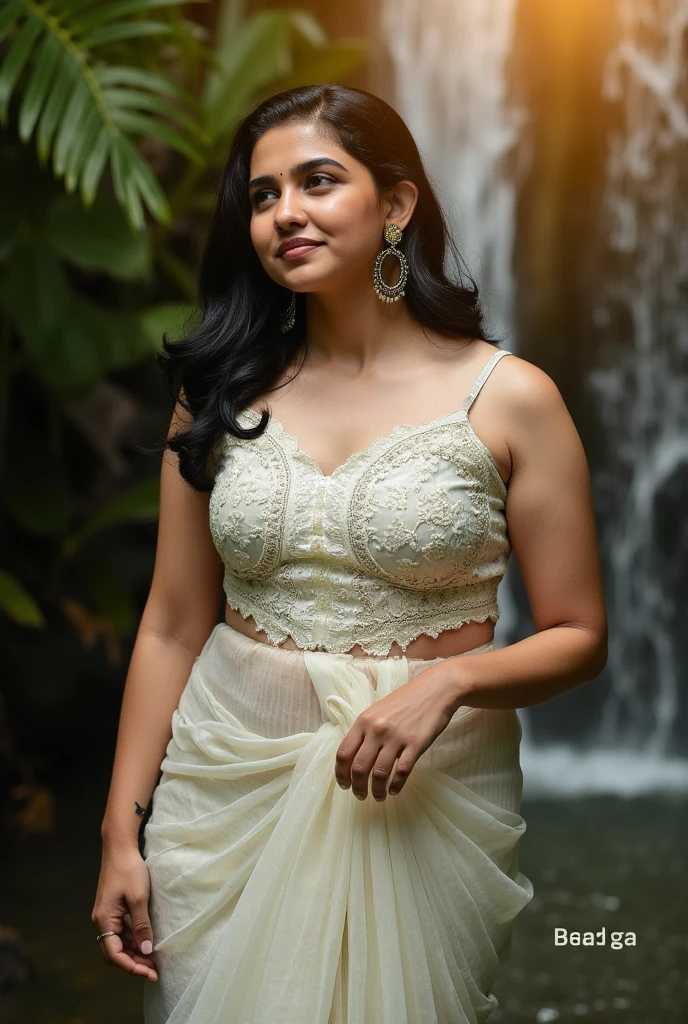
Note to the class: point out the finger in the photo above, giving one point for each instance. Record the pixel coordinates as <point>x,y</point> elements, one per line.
<point>132,965</point>
<point>141,928</point>
<point>129,946</point>
<point>120,951</point>
<point>145,961</point>
<point>117,955</point>
<point>345,754</point>
<point>382,771</point>
<point>109,945</point>
<point>402,771</point>
<point>362,765</point>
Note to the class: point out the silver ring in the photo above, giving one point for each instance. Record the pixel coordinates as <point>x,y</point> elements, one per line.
<point>104,935</point>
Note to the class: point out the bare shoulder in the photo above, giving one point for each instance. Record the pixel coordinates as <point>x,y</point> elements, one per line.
<point>524,387</point>
<point>529,401</point>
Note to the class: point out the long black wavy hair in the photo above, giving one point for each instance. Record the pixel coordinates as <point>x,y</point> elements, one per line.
<point>238,352</point>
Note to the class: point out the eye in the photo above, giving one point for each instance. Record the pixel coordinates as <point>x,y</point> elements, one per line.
<point>328,180</point>
<point>261,195</point>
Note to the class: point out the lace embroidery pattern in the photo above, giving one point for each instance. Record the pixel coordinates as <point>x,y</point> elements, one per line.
<point>434,536</point>
<point>380,620</point>
<point>250,494</point>
<point>407,537</point>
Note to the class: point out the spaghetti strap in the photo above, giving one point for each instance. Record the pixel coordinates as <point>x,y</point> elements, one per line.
<point>482,377</point>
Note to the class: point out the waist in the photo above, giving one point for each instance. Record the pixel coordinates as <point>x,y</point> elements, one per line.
<point>271,693</point>
<point>249,646</point>
<point>447,644</point>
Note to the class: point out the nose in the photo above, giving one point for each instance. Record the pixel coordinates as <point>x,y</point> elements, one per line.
<point>287,210</point>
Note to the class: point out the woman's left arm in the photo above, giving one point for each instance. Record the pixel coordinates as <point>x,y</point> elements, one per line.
<point>552,531</point>
<point>551,524</point>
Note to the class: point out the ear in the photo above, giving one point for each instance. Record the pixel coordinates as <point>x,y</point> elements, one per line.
<point>401,200</point>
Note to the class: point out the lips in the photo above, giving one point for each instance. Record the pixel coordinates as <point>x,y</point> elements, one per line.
<point>297,243</point>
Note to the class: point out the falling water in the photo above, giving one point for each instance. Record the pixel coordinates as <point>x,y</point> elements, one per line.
<point>459,113</point>
<point>643,394</point>
<point>461,118</point>
<point>450,59</point>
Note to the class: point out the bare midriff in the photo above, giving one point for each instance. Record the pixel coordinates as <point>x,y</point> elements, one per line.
<point>447,644</point>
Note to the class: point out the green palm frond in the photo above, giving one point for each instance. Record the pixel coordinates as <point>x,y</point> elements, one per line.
<point>86,113</point>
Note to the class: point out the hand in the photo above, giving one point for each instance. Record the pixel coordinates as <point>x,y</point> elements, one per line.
<point>401,725</point>
<point>122,906</point>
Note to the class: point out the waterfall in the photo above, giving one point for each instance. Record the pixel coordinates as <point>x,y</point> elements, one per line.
<point>460,116</point>
<point>450,61</point>
<point>642,393</point>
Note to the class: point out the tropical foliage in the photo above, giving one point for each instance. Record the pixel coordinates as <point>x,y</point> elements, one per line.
<point>115,117</point>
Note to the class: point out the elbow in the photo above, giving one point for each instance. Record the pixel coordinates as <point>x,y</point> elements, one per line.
<point>599,653</point>
<point>593,649</point>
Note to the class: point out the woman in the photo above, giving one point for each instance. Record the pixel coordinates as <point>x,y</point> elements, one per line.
<point>333,838</point>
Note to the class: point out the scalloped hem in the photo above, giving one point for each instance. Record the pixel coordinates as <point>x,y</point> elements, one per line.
<point>370,648</point>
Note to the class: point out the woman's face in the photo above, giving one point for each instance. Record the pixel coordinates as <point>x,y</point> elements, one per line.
<point>332,201</point>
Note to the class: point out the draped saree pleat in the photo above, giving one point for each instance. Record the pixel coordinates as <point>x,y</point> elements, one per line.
<point>278,898</point>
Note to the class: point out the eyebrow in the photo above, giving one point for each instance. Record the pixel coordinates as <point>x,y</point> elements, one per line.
<point>317,161</point>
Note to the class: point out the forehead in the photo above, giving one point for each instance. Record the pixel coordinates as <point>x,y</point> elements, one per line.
<point>280,148</point>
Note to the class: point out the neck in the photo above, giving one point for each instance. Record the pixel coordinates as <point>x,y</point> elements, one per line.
<point>353,328</point>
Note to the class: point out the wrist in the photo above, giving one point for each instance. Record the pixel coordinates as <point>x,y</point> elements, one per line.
<point>455,683</point>
<point>118,836</point>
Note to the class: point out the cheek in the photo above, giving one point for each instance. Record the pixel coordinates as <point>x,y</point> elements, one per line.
<point>347,212</point>
<point>352,227</point>
<point>258,235</point>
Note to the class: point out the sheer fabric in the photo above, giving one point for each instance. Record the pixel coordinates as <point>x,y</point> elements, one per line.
<point>278,897</point>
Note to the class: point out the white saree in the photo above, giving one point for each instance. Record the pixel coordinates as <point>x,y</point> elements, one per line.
<point>279,898</point>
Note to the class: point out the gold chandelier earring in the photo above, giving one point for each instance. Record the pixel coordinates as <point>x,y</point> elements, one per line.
<point>393,292</point>
<point>288,319</point>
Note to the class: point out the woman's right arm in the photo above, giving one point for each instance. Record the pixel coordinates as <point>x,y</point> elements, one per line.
<point>180,613</point>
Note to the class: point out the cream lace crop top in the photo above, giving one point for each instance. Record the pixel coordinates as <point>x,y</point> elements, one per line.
<point>404,538</point>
